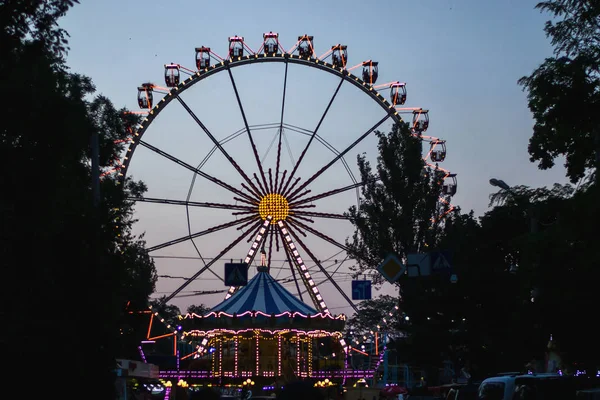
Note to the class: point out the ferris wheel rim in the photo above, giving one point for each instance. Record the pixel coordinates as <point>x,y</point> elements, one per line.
<point>226,65</point>
<point>389,109</point>
<point>369,89</point>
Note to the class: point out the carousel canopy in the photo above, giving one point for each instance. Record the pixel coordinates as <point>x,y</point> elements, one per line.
<point>263,293</point>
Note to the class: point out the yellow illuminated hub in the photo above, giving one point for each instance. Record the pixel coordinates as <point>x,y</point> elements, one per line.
<point>275,205</point>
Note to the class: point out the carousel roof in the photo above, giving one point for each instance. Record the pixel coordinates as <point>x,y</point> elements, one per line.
<point>263,293</point>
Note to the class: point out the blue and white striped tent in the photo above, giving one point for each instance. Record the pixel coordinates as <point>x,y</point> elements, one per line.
<point>263,293</point>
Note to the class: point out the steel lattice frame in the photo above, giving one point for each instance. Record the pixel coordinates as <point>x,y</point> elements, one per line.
<point>261,201</point>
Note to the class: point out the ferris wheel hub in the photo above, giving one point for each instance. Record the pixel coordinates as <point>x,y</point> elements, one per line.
<point>274,205</point>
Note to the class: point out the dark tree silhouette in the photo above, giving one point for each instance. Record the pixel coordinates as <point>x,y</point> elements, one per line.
<point>400,200</point>
<point>69,268</point>
<point>198,309</point>
<point>399,214</point>
<point>169,312</point>
<point>564,91</point>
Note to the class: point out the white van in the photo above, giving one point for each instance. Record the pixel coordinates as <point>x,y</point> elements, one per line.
<point>527,387</point>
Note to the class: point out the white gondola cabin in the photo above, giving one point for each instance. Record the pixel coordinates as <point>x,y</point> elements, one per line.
<point>339,55</point>
<point>236,46</point>
<point>144,96</point>
<point>202,57</point>
<point>172,75</point>
<point>305,46</point>
<point>437,153</point>
<point>420,122</point>
<point>370,71</point>
<point>271,43</point>
<point>398,93</point>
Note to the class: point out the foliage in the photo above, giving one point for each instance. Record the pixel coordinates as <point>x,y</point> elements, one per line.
<point>542,279</point>
<point>65,260</point>
<point>35,21</point>
<point>564,91</point>
<point>371,314</point>
<point>399,214</point>
<point>200,309</point>
<point>564,96</point>
<point>169,312</point>
<point>558,272</point>
<point>516,286</point>
<point>396,210</point>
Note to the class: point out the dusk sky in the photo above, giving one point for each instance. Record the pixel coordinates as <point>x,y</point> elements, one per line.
<point>461,59</point>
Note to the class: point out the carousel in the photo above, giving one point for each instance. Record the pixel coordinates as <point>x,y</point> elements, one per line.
<point>264,331</point>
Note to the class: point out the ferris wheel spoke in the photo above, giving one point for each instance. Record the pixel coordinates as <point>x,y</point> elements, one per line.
<point>303,270</point>
<point>219,146</point>
<point>336,158</point>
<point>312,267</point>
<point>276,242</point>
<point>259,238</point>
<point>271,234</point>
<point>323,195</point>
<point>296,216</point>
<point>196,170</point>
<point>278,190</point>
<point>278,163</point>
<point>193,203</point>
<point>321,215</point>
<point>245,224</point>
<point>202,233</point>
<point>254,150</point>
<point>265,189</point>
<point>293,269</point>
<point>334,272</point>
<point>323,270</point>
<point>312,136</point>
<point>295,183</point>
<point>299,225</point>
<point>214,260</point>
<point>244,212</point>
<point>304,206</point>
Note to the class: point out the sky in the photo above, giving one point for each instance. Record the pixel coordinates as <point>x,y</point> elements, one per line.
<point>461,59</point>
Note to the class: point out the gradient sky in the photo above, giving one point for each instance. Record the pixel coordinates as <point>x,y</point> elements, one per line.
<point>461,59</point>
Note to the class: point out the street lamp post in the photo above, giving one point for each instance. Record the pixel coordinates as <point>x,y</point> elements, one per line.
<point>530,208</point>
<point>530,212</point>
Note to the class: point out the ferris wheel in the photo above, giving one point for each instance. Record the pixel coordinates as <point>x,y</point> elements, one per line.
<point>273,207</point>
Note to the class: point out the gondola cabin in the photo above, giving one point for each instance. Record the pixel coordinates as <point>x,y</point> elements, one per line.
<point>236,46</point>
<point>172,75</point>
<point>305,46</point>
<point>271,43</point>
<point>420,121</point>
<point>398,93</point>
<point>145,95</point>
<point>370,72</point>
<point>202,57</point>
<point>450,185</point>
<point>339,55</point>
<point>437,153</point>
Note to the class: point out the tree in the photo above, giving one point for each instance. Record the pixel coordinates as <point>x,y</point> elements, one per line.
<point>564,91</point>
<point>169,312</point>
<point>400,201</point>
<point>555,278</point>
<point>399,213</point>
<point>564,96</point>
<point>70,272</point>
<point>198,309</point>
<point>371,314</point>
